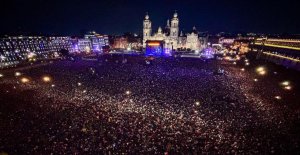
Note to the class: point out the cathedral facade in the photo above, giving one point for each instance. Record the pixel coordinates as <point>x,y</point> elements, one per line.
<point>170,35</point>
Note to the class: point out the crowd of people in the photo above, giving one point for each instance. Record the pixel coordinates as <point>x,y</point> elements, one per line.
<point>171,106</point>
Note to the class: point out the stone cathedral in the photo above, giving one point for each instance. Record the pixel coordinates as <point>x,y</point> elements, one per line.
<point>171,37</point>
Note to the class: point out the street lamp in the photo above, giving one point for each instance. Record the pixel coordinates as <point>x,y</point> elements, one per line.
<point>127,92</point>
<point>46,79</point>
<point>24,80</point>
<point>17,74</point>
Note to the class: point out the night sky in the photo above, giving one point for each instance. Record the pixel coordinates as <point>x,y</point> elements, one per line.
<point>70,17</point>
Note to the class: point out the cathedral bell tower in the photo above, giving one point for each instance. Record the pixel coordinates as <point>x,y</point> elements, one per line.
<point>174,31</point>
<point>146,29</point>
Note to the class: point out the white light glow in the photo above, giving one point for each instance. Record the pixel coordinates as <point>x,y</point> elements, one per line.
<point>259,69</point>
<point>285,83</point>
<point>24,80</point>
<point>127,92</point>
<point>278,97</point>
<point>262,73</point>
<point>18,74</point>
<point>288,87</point>
<point>46,79</point>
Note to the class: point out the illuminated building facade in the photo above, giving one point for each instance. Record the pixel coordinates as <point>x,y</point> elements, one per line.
<point>120,43</point>
<point>91,42</point>
<point>170,35</point>
<point>16,49</point>
<point>127,41</point>
<point>84,45</point>
<point>95,42</point>
<point>285,52</point>
<point>293,44</point>
<point>192,40</point>
<point>58,43</point>
<point>226,41</point>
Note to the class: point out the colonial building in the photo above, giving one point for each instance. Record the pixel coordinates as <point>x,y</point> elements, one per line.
<point>170,35</point>
<point>127,41</point>
<point>84,45</point>
<point>93,42</point>
<point>17,49</point>
<point>120,42</point>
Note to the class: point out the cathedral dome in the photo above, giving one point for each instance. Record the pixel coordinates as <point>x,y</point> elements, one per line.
<point>147,16</point>
<point>175,15</point>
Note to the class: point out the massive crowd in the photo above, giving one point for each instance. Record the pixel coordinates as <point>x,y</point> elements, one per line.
<point>173,106</point>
